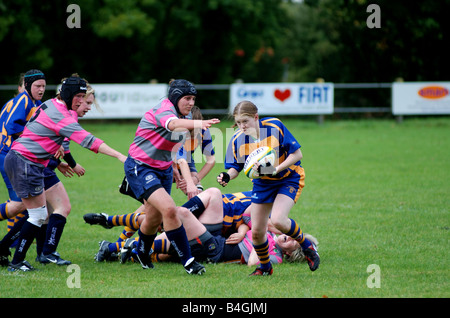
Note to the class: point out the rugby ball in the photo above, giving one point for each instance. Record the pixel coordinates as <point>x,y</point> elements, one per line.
<point>262,155</point>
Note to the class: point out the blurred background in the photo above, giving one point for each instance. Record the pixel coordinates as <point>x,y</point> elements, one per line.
<point>224,41</point>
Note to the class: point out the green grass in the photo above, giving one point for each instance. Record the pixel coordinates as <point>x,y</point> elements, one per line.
<point>376,192</point>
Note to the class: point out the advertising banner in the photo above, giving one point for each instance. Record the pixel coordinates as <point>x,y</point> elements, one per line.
<point>285,98</point>
<point>421,98</point>
<point>126,100</point>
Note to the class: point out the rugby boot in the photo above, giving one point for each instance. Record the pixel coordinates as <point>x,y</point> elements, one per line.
<point>97,219</point>
<point>312,257</point>
<point>53,258</point>
<point>194,268</point>
<point>260,272</point>
<point>22,266</point>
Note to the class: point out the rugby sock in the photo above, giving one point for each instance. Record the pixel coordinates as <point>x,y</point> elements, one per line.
<point>10,224</point>
<point>161,246</point>
<point>126,233</point>
<point>202,239</point>
<point>115,247</point>
<point>55,229</point>
<point>40,239</point>
<point>13,233</point>
<point>26,237</point>
<point>296,233</point>
<point>4,211</point>
<point>179,241</point>
<point>129,220</point>
<point>145,243</point>
<point>263,254</point>
<point>195,205</point>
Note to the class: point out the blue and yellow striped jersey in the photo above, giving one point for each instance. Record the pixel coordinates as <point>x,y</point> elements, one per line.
<point>274,134</point>
<point>13,118</point>
<point>234,205</point>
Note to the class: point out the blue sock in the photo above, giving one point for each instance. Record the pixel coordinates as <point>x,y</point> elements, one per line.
<point>55,229</point>
<point>179,241</point>
<point>262,251</point>
<point>26,237</point>
<point>3,214</point>
<point>296,233</point>
<point>195,205</point>
<point>40,239</point>
<point>145,243</point>
<point>13,233</point>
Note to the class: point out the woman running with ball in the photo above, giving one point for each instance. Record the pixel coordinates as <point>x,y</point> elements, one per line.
<point>279,185</point>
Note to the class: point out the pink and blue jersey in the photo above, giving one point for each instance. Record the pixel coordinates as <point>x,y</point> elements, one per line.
<point>46,131</point>
<point>154,144</point>
<point>246,245</point>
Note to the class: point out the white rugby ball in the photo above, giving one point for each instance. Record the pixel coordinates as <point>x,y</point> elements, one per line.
<point>262,155</point>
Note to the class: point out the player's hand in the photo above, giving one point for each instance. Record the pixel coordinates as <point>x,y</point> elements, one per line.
<point>267,170</point>
<point>79,170</point>
<point>234,238</point>
<point>208,123</point>
<point>65,170</point>
<point>60,153</point>
<point>223,178</point>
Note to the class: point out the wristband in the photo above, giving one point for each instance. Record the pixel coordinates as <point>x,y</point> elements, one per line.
<point>69,159</point>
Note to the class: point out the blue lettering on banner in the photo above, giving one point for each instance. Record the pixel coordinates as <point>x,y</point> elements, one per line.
<point>317,94</point>
<point>243,93</point>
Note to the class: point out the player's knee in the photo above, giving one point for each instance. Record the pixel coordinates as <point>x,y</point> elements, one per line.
<point>170,212</point>
<point>257,236</point>
<point>183,212</point>
<point>63,209</point>
<point>282,224</point>
<point>37,216</point>
<point>215,192</point>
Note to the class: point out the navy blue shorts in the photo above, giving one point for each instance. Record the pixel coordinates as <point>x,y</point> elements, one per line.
<point>28,179</point>
<point>144,180</point>
<point>265,191</point>
<point>50,178</point>
<point>12,194</point>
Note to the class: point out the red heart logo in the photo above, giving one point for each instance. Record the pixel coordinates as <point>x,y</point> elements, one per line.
<point>282,95</point>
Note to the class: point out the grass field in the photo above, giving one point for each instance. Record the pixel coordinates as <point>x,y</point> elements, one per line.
<point>377,193</point>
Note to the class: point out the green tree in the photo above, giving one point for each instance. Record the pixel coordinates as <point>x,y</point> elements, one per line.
<point>138,40</point>
<point>330,39</point>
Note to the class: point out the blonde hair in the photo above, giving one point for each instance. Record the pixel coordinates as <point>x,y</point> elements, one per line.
<point>298,255</point>
<point>91,91</point>
<point>244,108</point>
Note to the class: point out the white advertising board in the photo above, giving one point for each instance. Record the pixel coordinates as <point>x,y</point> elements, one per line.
<point>421,98</point>
<point>126,100</point>
<point>285,98</point>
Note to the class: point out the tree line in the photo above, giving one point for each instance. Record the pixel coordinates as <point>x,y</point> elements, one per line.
<point>220,41</point>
